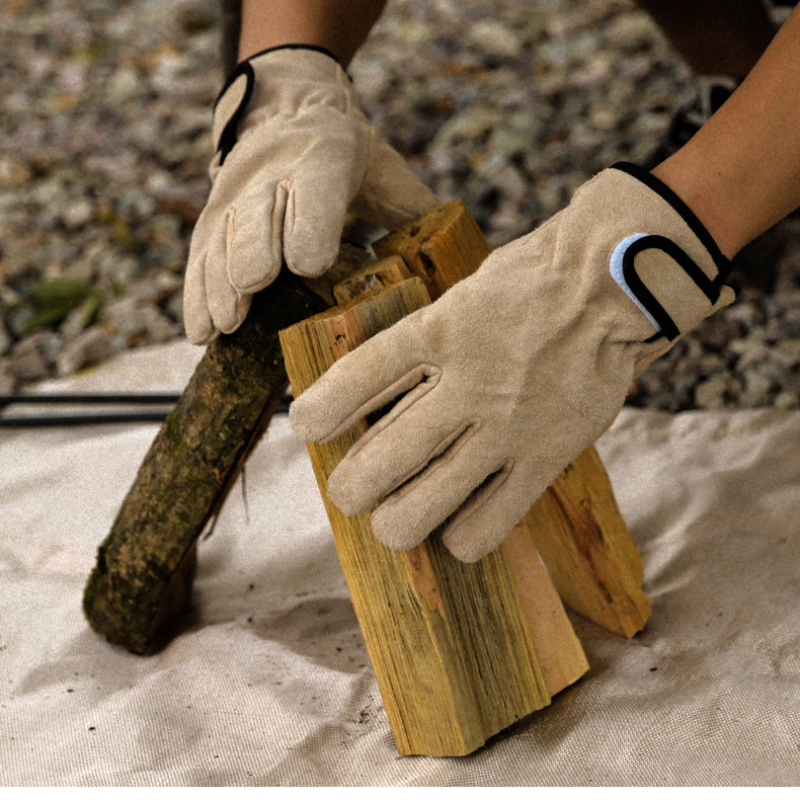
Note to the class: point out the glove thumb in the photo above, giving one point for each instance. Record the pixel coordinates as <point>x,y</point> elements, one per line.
<point>391,194</point>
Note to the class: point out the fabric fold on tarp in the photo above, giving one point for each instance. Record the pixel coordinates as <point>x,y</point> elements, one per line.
<point>268,681</point>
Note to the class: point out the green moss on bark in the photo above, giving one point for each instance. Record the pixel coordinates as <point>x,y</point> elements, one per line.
<point>144,570</point>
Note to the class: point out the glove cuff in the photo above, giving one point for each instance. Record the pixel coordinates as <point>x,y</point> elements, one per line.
<point>231,103</point>
<point>709,278</point>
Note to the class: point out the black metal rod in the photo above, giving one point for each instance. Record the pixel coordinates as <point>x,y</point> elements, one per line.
<point>153,398</point>
<point>80,419</point>
<point>43,421</point>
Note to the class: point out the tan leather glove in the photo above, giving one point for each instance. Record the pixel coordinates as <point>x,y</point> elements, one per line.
<point>293,154</point>
<point>516,370</point>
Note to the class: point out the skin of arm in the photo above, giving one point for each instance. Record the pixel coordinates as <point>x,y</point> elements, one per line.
<point>740,173</point>
<point>340,26</point>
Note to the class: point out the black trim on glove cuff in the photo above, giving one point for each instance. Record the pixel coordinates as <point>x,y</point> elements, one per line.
<point>230,132</point>
<point>721,261</point>
<point>710,287</point>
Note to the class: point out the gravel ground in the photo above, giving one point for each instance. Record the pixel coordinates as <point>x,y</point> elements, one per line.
<point>508,105</point>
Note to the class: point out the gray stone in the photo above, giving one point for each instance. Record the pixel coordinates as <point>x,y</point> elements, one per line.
<point>786,400</point>
<point>496,38</point>
<point>710,394</point>
<point>757,387</point>
<point>128,320</point>
<point>28,366</point>
<point>631,31</point>
<point>77,213</point>
<point>89,347</point>
<point>8,381</point>
<point>5,339</point>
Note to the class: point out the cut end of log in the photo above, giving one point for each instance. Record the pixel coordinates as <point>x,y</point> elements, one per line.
<point>441,248</point>
<point>110,607</point>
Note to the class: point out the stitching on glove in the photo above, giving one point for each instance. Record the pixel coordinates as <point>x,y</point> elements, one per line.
<point>623,270</point>
<point>439,456</point>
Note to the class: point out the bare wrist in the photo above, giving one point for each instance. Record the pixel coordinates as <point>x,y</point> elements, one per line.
<point>703,188</point>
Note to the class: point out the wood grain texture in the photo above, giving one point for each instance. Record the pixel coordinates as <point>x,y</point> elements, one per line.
<point>454,646</point>
<point>441,248</point>
<point>576,524</point>
<point>371,278</point>
<point>587,547</point>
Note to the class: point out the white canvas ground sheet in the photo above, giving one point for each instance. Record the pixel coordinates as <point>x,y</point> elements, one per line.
<point>269,683</point>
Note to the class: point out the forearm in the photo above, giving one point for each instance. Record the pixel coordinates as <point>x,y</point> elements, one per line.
<point>741,172</point>
<point>340,26</point>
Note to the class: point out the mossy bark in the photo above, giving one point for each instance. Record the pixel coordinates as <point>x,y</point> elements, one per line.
<point>145,566</point>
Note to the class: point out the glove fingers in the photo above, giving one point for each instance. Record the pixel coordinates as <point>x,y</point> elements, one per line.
<point>409,514</point>
<point>488,516</point>
<point>315,217</point>
<point>196,317</point>
<point>408,440</point>
<point>254,246</point>
<point>378,371</point>
<point>227,307</point>
<point>391,194</point>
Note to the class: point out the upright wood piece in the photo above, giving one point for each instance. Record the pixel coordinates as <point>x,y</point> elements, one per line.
<point>587,547</point>
<point>576,524</point>
<point>460,651</point>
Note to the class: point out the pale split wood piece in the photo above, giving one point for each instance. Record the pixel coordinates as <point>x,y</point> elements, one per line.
<point>371,278</point>
<point>460,651</point>
<point>580,533</point>
<point>576,524</point>
<point>561,657</point>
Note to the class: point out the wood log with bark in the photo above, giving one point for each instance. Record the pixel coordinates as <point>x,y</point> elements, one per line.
<point>145,567</point>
